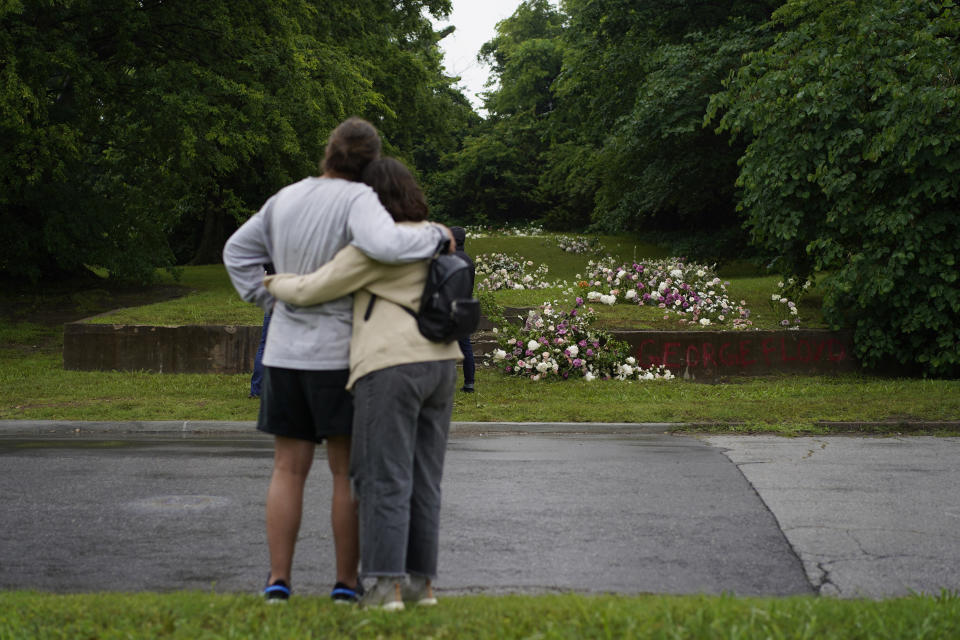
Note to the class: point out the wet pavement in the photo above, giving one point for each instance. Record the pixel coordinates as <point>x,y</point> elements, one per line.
<point>526,509</point>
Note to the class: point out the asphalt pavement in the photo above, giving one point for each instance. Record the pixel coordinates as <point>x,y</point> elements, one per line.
<point>527,508</point>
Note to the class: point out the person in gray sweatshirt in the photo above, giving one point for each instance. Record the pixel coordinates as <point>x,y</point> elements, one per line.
<point>306,359</point>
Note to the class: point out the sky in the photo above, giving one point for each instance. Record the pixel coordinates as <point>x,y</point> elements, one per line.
<point>475,22</point>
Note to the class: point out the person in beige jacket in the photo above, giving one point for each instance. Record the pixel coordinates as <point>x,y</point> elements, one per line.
<point>403,387</point>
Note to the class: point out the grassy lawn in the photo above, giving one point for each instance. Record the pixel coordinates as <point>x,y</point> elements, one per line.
<point>25,615</point>
<point>33,384</point>
<point>212,299</point>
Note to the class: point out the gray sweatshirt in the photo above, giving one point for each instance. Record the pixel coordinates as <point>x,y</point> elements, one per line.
<point>299,229</point>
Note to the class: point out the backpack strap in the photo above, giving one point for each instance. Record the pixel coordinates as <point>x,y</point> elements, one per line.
<point>373,298</point>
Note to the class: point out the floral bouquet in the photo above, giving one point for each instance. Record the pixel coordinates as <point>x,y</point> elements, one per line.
<point>783,307</point>
<point>577,244</point>
<point>561,345</point>
<point>497,271</point>
<point>679,287</point>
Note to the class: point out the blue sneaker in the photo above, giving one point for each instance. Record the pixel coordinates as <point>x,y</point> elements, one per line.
<point>342,594</point>
<point>277,592</point>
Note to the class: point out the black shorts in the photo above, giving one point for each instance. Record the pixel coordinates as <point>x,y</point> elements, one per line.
<point>307,405</point>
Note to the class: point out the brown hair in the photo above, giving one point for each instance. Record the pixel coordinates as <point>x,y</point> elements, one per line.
<point>397,188</point>
<point>353,144</point>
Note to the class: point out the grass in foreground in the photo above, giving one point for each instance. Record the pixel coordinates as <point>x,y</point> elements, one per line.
<point>25,615</point>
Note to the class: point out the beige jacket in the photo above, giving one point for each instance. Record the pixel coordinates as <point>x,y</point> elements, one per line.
<point>390,335</point>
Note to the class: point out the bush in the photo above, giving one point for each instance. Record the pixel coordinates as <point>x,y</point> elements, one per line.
<point>852,168</point>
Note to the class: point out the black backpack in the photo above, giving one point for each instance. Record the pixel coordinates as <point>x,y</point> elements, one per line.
<point>448,310</point>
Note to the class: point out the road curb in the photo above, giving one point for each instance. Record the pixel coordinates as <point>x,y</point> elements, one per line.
<point>247,428</point>
<point>59,428</point>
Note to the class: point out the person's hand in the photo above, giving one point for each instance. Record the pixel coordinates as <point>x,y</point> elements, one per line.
<point>452,248</point>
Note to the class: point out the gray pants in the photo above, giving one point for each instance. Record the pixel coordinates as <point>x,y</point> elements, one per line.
<point>400,428</point>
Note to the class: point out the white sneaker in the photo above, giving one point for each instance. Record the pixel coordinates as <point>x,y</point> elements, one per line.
<point>419,591</point>
<point>386,594</point>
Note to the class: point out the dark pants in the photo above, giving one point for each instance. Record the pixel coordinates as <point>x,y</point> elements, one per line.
<point>469,368</point>
<point>400,428</point>
<point>256,380</point>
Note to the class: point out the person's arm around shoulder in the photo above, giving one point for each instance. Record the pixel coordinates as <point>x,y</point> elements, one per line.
<point>376,234</point>
<point>349,271</point>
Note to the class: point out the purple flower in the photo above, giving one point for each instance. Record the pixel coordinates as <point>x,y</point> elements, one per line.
<point>529,353</point>
<point>589,352</point>
<point>579,301</point>
<point>577,362</point>
<point>509,369</point>
<point>596,344</point>
<point>582,343</point>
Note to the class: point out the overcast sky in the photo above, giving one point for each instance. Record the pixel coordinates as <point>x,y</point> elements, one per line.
<point>476,22</point>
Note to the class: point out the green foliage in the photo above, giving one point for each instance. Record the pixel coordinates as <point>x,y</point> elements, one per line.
<point>852,167</point>
<point>495,176</point>
<point>137,134</point>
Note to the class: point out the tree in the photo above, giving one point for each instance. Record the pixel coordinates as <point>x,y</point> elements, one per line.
<point>633,92</point>
<point>852,168</point>
<point>138,133</point>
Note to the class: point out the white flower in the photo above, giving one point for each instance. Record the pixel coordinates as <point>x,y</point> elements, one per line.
<point>705,321</point>
<point>495,330</point>
<point>626,370</point>
<point>775,296</point>
<point>543,367</point>
<point>499,354</point>
<point>593,295</point>
<point>630,294</point>
<point>533,345</point>
<point>518,286</point>
<point>663,287</point>
<point>676,273</point>
<point>783,301</point>
<point>721,318</point>
<point>588,376</point>
<point>621,273</point>
<point>608,299</point>
<point>631,360</point>
<point>573,351</point>
<point>701,273</point>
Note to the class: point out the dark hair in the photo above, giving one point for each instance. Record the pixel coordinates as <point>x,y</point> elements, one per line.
<point>398,190</point>
<point>353,144</point>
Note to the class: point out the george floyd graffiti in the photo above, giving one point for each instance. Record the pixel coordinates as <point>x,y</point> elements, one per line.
<point>710,354</point>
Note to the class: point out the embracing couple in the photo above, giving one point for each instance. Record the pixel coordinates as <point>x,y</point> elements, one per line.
<point>356,233</point>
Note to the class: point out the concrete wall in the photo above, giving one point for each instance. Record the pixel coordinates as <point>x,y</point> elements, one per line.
<point>706,356</point>
<point>186,349</point>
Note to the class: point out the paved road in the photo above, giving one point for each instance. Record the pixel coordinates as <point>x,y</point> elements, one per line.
<point>524,512</point>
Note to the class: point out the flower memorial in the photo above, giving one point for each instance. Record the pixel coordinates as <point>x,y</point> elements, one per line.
<point>560,345</point>
<point>678,287</point>
<point>486,231</point>
<point>497,271</point>
<point>785,309</point>
<point>579,245</point>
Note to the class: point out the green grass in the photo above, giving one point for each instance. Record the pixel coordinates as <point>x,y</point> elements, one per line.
<point>212,299</point>
<point>34,386</point>
<point>191,615</point>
